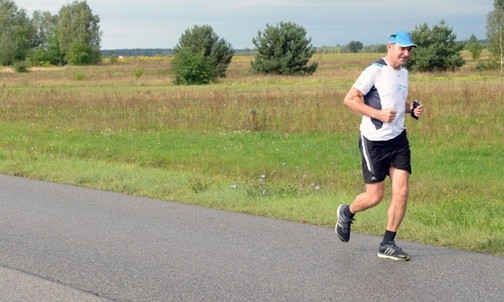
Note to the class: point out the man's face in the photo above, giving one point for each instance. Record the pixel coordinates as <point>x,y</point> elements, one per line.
<point>399,54</point>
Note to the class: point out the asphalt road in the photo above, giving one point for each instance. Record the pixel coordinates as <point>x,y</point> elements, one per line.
<point>65,243</point>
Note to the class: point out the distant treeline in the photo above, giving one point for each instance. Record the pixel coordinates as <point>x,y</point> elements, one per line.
<point>137,52</point>
<point>152,52</point>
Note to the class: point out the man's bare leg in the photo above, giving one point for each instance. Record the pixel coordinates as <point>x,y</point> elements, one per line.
<point>400,190</point>
<point>373,196</point>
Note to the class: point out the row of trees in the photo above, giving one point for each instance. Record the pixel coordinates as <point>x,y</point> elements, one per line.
<point>72,36</point>
<point>201,56</point>
<point>285,49</point>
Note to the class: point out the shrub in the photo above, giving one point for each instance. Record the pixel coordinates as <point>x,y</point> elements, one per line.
<point>474,47</point>
<point>20,66</point>
<point>79,54</point>
<point>283,49</point>
<point>138,73</point>
<point>437,49</point>
<point>192,68</point>
<point>79,76</point>
<point>200,56</point>
<point>487,65</point>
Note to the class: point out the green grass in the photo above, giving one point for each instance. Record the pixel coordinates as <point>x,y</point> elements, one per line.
<point>282,147</point>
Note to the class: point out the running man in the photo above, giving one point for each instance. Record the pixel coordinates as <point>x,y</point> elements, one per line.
<point>380,95</point>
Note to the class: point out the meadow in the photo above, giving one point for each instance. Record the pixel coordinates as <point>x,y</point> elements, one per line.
<point>277,146</point>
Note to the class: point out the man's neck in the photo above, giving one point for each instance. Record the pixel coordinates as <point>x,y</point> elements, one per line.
<point>392,64</point>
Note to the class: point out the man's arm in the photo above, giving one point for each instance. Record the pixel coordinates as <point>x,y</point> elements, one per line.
<point>355,101</point>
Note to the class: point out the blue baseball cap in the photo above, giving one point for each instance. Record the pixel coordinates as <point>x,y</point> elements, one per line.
<point>401,38</point>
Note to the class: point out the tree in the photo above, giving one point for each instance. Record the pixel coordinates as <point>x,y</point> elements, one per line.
<point>80,53</point>
<point>54,53</point>
<point>78,34</point>
<point>474,47</point>
<point>355,46</point>
<point>45,26</point>
<point>495,32</point>
<point>437,49</point>
<point>192,68</point>
<point>283,49</point>
<point>16,33</point>
<point>46,49</point>
<point>201,56</point>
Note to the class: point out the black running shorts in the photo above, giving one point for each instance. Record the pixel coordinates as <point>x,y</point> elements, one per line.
<point>379,156</point>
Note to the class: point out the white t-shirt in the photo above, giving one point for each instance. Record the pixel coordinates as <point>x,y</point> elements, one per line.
<point>383,87</point>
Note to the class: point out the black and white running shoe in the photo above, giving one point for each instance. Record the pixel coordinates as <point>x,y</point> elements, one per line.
<point>391,251</point>
<point>343,223</point>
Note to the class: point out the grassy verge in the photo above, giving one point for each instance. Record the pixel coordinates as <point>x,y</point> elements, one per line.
<point>280,147</point>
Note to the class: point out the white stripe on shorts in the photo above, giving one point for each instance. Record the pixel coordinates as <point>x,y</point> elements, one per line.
<point>365,153</point>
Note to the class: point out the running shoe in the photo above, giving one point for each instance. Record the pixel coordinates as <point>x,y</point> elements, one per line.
<point>343,223</point>
<point>391,251</point>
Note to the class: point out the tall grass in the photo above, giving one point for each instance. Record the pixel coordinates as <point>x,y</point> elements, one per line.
<point>284,147</point>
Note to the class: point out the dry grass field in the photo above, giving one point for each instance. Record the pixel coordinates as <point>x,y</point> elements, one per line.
<point>279,146</point>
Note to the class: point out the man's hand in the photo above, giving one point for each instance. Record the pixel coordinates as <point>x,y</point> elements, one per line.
<point>355,101</point>
<point>386,115</point>
<point>416,109</point>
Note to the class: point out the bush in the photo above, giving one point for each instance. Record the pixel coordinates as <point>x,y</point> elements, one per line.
<point>138,73</point>
<point>283,49</point>
<point>487,65</point>
<point>79,76</point>
<point>474,47</point>
<point>355,46</point>
<point>437,49</point>
<point>20,66</point>
<point>79,54</point>
<point>192,68</point>
<point>200,56</point>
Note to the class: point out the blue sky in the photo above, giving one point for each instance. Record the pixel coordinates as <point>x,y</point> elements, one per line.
<point>160,23</point>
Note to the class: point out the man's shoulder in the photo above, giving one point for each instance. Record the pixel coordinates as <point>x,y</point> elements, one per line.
<point>379,63</point>
<point>374,69</point>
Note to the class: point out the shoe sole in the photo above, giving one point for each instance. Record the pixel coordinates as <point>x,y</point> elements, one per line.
<point>392,257</point>
<point>336,226</point>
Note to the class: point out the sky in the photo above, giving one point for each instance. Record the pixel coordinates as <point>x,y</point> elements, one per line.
<point>160,23</point>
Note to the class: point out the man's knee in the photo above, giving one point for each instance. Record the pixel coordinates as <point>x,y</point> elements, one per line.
<point>401,193</point>
<point>400,184</point>
<point>374,195</point>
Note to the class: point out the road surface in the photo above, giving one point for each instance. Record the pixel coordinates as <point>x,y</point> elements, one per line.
<point>66,243</point>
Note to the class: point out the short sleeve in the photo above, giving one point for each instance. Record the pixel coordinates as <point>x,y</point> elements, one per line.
<point>367,79</point>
